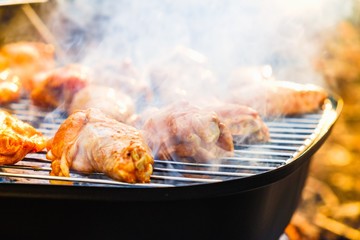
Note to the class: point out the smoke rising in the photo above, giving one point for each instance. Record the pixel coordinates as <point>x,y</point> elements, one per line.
<point>228,33</point>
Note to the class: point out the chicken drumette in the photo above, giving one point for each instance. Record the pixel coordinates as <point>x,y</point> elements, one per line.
<point>273,98</point>
<point>88,141</point>
<point>182,130</point>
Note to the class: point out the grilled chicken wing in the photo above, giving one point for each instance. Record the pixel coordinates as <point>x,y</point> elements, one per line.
<point>244,123</point>
<point>110,101</point>
<point>26,59</point>
<point>185,131</point>
<point>10,87</point>
<point>277,98</point>
<point>17,139</point>
<point>89,141</point>
<point>59,85</point>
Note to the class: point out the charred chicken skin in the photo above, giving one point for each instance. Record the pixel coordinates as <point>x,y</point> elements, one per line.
<point>26,59</point>
<point>274,98</point>
<point>182,130</point>
<point>88,141</point>
<point>244,123</point>
<point>110,101</point>
<point>17,139</point>
<point>58,86</point>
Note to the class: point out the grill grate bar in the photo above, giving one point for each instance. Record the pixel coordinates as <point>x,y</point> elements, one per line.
<point>26,167</point>
<point>290,136</point>
<point>290,130</point>
<point>209,173</point>
<point>214,165</point>
<point>82,180</point>
<point>265,161</point>
<point>33,113</point>
<point>286,141</point>
<point>291,125</point>
<point>303,120</point>
<point>183,179</point>
<point>279,147</point>
<point>259,153</point>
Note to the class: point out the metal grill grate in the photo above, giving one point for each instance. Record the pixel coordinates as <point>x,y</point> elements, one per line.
<point>290,136</point>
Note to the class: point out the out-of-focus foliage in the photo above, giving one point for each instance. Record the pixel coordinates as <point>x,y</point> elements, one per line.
<point>330,207</point>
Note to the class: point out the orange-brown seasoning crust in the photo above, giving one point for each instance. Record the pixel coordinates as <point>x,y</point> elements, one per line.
<point>17,139</point>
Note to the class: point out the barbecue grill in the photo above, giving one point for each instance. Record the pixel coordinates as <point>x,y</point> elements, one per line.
<point>251,195</point>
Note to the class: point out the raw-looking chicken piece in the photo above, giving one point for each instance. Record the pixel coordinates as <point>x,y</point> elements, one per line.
<point>17,139</point>
<point>244,123</point>
<point>26,59</point>
<point>58,86</point>
<point>88,141</point>
<point>182,130</point>
<point>112,102</point>
<point>10,87</point>
<point>272,98</point>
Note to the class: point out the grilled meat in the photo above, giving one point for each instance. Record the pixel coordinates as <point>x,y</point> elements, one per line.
<point>182,130</point>
<point>59,85</point>
<point>17,139</point>
<point>110,101</point>
<point>88,141</point>
<point>244,123</point>
<point>273,98</point>
<point>10,87</point>
<point>26,59</point>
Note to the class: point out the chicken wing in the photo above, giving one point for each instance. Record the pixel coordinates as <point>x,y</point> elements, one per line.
<point>88,141</point>
<point>244,123</point>
<point>182,130</point>
<point>274,98</point>
<point>110,101</point>
<point>17,139</point>
<point>27,59</point>
<point>59,85</point>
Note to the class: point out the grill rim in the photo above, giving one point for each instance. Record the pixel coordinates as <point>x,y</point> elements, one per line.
<point>171,193</point>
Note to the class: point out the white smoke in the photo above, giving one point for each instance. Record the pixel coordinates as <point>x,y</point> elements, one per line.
<point>230,33</point>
